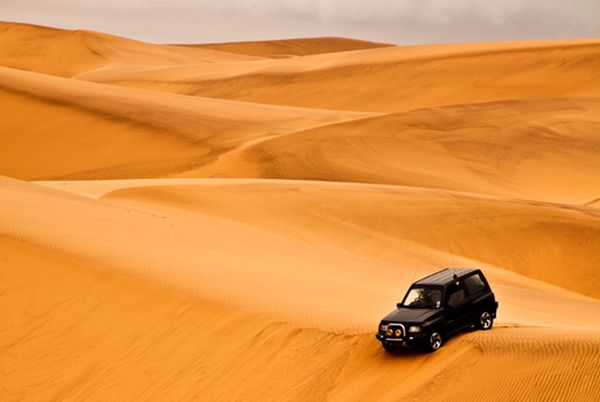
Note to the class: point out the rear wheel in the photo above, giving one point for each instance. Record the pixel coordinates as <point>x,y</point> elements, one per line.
<point>486,321</point>
<point>434,341</point>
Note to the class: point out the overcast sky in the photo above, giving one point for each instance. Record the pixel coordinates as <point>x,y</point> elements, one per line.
<point>393,21</point>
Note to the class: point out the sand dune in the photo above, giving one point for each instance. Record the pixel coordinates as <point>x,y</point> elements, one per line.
<point>415,77</point>
<point>292,47</point>
<point>201,137</point>
<point>67,53</point>
<point>165,345</point>
<point>535,149</point>
<point>133,252</point>
<point>178,133</point>
<point>377,222</point>
<point>231,221</point>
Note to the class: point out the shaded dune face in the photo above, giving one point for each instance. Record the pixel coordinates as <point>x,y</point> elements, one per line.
<point>293,47</point>
<point>175,219</point>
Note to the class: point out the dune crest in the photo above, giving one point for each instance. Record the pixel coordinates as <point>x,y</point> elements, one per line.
<point>178,133</point>
<point>415,76</point>
<point>68,53</point>
<point>293,47</point>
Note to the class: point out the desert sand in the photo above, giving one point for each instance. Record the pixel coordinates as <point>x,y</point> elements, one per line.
<point>231,221</point>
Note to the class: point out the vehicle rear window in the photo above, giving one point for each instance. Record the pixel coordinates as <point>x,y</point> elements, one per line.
<point>474,284</point>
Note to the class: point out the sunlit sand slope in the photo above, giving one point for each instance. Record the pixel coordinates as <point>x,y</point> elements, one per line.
<point>68,53</point>
<point>164,345</point>
<point>64,128</point>
<point>543,149</point>
<point>389,79</point>
<point>191,322</point>
<point>302,267</point>
<point>380,222</point>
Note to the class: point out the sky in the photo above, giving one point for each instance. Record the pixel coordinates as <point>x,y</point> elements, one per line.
<point>391,21</point>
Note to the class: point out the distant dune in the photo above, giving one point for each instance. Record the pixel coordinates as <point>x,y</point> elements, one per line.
<point>415,76</point>
<point>67,53</point>
<point>293,47</point>
<point>175,219</point>
<point>178,133</point>
<point>541,149</point>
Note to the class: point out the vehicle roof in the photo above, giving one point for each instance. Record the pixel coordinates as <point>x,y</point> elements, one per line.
<point>445,276</point>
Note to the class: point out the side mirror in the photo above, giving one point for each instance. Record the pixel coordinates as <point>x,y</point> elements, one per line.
<point>398,305</point>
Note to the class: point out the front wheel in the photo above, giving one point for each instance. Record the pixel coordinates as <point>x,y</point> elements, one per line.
<point>434,341</point>
<point>486,321</point>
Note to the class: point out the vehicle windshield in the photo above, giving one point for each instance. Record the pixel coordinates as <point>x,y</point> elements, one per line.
<point>423,298</point>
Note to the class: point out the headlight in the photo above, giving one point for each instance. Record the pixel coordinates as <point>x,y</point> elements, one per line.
<point>398,332</point>
<point>415,328</point>
<point>383,327</point>
<point>389,332</point>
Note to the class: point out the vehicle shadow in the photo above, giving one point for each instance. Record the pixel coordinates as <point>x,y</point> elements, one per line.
<point>403,352</point>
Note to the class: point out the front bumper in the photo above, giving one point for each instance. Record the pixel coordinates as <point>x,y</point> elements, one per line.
<point>412,339</point>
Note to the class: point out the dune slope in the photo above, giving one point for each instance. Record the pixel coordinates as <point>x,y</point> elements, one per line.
<point>194,350</point>
<point>373,219</point>
<point>535,149</point>
<point>231,221</point>
<point>201,320</point>
<point>95,131</point>
<point>415,76</point>
<point>67,53</point>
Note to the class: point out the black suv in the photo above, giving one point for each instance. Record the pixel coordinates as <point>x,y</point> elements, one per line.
<point>438,306</point>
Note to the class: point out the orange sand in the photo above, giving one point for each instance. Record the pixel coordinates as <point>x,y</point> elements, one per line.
<point>231,221</point>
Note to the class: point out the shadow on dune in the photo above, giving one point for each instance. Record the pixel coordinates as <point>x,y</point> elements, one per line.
<point>412,352</point>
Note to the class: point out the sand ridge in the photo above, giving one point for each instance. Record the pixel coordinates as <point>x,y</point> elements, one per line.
<point>293,47</point>
<point>557,150</point>
<point>178,219</point>
<point>70,52</point>
<point>179,133</point>
<point>415,76</point>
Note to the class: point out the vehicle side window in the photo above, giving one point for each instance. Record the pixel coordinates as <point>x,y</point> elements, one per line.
<point>456,296</point>
<point>474,284</point>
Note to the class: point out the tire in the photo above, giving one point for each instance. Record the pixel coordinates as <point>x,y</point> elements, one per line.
<point>434,342</point>
<point>485,321</point>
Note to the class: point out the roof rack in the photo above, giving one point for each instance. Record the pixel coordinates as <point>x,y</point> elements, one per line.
<point>445,276</point>
<point>435,273</point>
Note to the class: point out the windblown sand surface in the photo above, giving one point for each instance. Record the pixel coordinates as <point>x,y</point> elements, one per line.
<point>231,221</point>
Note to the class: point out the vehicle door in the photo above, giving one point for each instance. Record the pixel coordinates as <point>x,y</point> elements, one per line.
<point>479,295</point>
<point>457,307</point>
